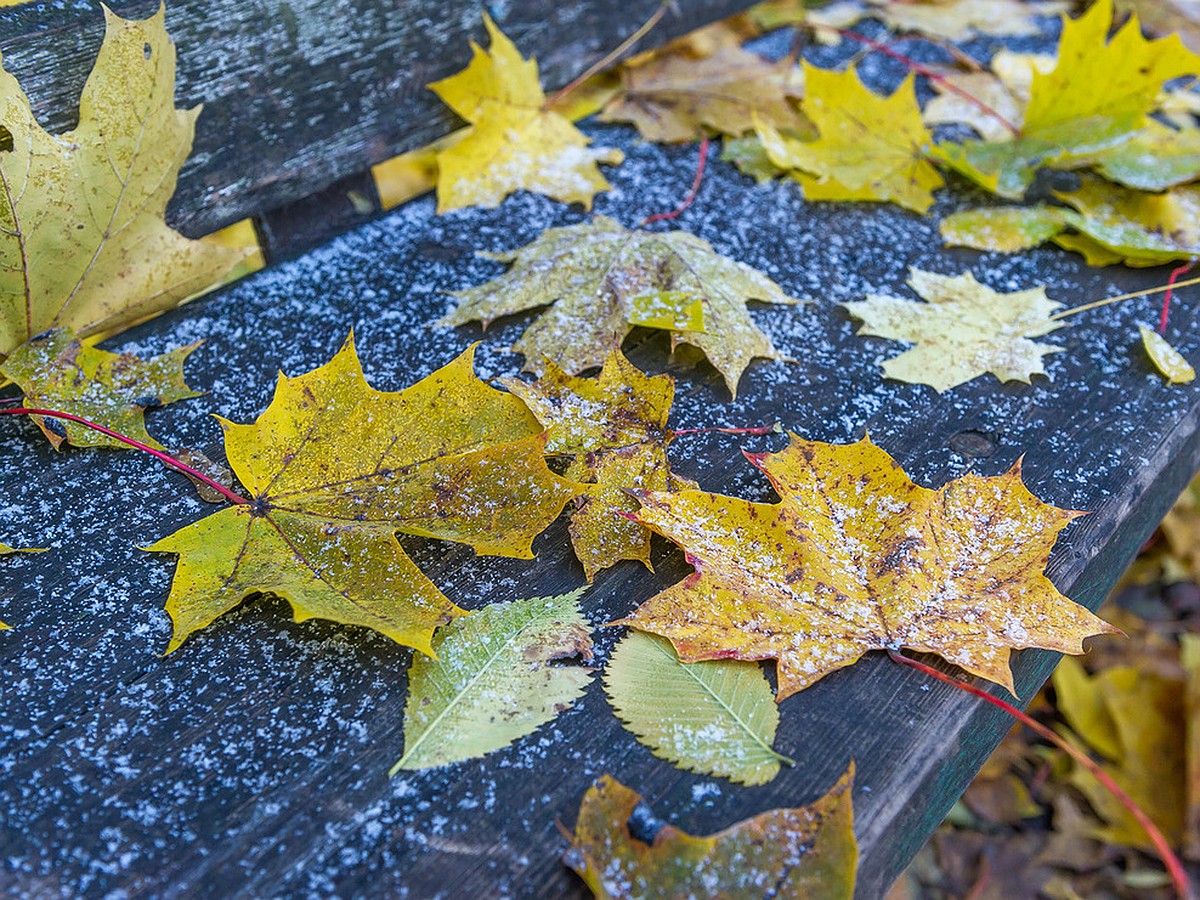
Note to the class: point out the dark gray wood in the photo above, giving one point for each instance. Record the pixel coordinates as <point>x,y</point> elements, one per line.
<point>299,94</point>
<point>253,761</point>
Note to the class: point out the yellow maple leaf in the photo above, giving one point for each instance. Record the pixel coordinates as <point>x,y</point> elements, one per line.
<point>965,329</point>
<point>83,242</point>
<point>856,557</point>
<point>1097,97</point>
<point>806,851</point>
<point>614,428</point>
<point>515,143</point>
<point>1169,361</point>
<point>56,371</point>
<point>335,468</point>
<point>677,97</point>
<point>870,147</point>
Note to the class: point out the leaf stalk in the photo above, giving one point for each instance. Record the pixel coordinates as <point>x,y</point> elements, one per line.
<point>1179,877</point>
<point>165,458</point>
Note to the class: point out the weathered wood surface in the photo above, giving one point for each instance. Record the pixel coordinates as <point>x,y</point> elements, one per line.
<point>299,94</point>
<point>252,762</point>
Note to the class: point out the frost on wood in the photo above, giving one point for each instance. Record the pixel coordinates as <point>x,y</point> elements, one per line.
<point>592,275</point>
<point>714,717</point>
<point>83,243</point>
<point>962,331</point>
<point>514,143</point>
<point>335,468</point>
<point>614,428</point>
<point>495,679</point>
<point>856,557</point>
<point>807,851</point>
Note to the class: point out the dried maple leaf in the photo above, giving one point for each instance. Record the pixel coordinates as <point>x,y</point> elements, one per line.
<point>1098,96</point>
<point>515,143</point>
<point>1108,224</point>
<point>807,851</point>
<point>83,243</point>
<point>335,468</point>
<point>614,428</point>
<point>56,371</point>
<point>497,677</point>
<point>677,97</point>
<point>598,275</point>
<point>964,330</point>
<point>856,557</point>
<point>870,147</point>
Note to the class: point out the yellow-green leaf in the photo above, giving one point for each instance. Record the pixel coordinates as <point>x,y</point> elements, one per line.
<point>806,851</point>
<point>334,468</point>
<point>1097,97</point>
<point>1166,359</point>
<point>514,143</point>
<point>56,371</point>
<point>714,717</point>
<point>870,147</point>
<point>963,330</point>
<point>592,276</point>
<point>856,557</point>
<point>1114,224</point>
<point>494,679</point>
<point>83,242</point>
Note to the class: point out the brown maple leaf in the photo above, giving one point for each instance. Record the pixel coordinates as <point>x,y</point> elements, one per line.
<point>857,557</point>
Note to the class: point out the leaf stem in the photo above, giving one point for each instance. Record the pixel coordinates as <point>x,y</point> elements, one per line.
<point>609,57</point>
<point>691,197</point>
<point>922,69</point>
<point>1179,876</point>
<point>1166,305</point>
<point>164,458</point>
<point>1096,304</point>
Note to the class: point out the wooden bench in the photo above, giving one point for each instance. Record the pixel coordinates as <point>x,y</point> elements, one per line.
<point>253,761</point>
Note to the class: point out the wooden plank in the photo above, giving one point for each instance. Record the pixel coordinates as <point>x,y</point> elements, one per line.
<point>299,94</point>
<point>253,760</point>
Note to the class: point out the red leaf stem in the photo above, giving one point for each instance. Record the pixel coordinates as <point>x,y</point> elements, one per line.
<point>1166,304</point>
<point>164,458</point>
<point>690,198</point>
<point>1179,876</point>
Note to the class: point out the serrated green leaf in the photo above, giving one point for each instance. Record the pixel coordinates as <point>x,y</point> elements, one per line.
<point>715,717</point>
<point>492,681</point>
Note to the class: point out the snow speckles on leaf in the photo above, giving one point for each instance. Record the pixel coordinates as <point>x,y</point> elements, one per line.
<point>514,143</point>
<point>83,242</point>
<point>857,557</point>
<point>806,851</point>
<point>591,276</point>
<point>56,371</point>
<point>335,468</point>
<point>962,331</point>
<point>614,428</point>
<point>493,681</point>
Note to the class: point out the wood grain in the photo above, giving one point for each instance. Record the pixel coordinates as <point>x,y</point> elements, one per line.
<point>299,94</point>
